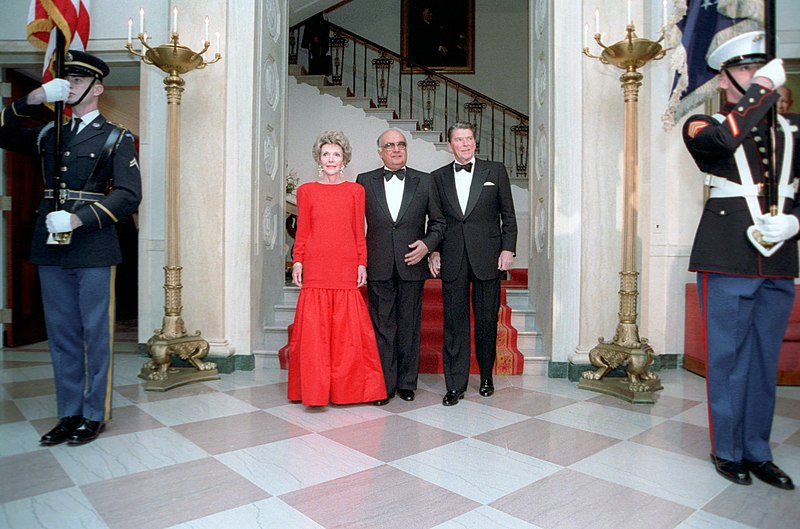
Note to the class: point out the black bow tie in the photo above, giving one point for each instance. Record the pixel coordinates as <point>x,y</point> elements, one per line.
<point>400,174</point>
<point>466,167</point>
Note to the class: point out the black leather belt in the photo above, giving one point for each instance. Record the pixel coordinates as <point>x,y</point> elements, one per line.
<point>69,194</point>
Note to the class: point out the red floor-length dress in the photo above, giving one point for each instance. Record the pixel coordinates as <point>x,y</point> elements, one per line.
<point>333,355</point>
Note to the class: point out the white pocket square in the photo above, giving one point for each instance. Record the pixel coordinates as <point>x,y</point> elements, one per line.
<point>488,183</point>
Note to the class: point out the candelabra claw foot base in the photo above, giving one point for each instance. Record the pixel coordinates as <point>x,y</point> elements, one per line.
<point>161,376</point>
<point>639,384</point>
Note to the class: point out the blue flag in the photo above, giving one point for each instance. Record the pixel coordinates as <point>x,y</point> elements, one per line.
<point>702,25</point>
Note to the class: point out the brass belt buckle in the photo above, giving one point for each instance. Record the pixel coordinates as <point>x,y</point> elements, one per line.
<point>63,194</point>
<point>59,238</point>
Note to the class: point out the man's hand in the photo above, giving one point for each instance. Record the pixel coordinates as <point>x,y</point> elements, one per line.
<point>362,276</point>
<point>505,260</point>
<point>435,264</point>
<point>418,251</point>
<point>777,228</point>
<point>55,90</point>
<point>59,221</point>
<point>774,72</point>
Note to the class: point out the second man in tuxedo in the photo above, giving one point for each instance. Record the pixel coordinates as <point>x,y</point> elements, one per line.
<point>479,243</point>
<point>399,200</point>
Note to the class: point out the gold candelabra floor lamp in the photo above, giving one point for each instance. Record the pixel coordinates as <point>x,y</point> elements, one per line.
<point>627,348</point>
<point>174,59</point>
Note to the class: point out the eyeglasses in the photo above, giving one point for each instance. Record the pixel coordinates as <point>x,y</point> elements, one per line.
<point>391,146</point>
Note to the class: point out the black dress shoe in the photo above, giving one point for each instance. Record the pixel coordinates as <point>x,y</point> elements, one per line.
<point>85,432</point>
<point>732,470</point>
<point>406,394</point>
<point>769,473</point>
<point>384,402</point>
<point>451,398</point>
<point>487,387</point>
<point>62,430</point>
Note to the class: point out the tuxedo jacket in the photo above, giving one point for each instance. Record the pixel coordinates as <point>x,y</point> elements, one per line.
<point>487,227</point>
<point>388,240</point>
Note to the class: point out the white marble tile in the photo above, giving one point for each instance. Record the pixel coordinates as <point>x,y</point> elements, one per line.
<point>4,395</point>
<point>195,408</point>
<point>21,355</point>
<point>37,407</point>
<point>18,438</point>
<point>296,463</point>
<point>246,379</point>
<point>485,516</point>
<point>789,392</point>
<point>476,470</point>
<point>783,428</point>
<point>118,401</point>
<point>706,520</point>
<point>668,475</point>
<point>465,418</point>
<point>788,458</point>
<point>265,514</point>
<point>65,508</point>
<point>697,415</point>
<point>603,420</point>
<point>682,384</point>
<point>21,374</point>
<point>319,419</point>
<point>121,455</point>
<point>561,387</point>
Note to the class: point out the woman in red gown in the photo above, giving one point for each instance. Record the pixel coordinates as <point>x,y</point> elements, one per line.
<point>333,355</point>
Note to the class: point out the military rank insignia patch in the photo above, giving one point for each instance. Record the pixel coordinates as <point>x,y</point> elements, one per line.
<point>695,127</point>
<point>133,163</point>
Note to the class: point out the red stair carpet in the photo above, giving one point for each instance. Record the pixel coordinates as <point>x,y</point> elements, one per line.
<point>509,359</point>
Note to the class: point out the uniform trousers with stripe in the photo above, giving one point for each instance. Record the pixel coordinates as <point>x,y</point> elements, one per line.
<point>79,316</point>
<point>744,320</point>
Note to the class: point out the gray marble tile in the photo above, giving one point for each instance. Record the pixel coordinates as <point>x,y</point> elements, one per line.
<point>548,441</point>
<point>21,374</point>
<point>319,419</point>
<point>467,418</point>
<point>31,474</point>
<point>136,393</point>
<point>9,412</point>
<point>168,496</point>
<point>526,402</point>
<point>681,437</point>
<point>759,505</point>
<point>391,438</point>
<point>603,420</point>
<point>571,500</point>
<point>195,408</point>
<point>383,497</point>
<point>262,397</point>
<point>786,407</point>
<point>486,517</point>
<point>705,520</point>
<point>665,406</point>
<point>235,432</point>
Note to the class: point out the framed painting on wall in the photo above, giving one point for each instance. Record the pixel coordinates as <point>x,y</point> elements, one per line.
<point>439,34</point>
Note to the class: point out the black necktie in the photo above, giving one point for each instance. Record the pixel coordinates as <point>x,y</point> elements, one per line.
<point>467,167</point>
<point>400,174</point>
<point>73,129</point>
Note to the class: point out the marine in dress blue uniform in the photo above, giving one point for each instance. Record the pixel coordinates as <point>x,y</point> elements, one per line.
<point>93,192</point>
<point>746,287</point>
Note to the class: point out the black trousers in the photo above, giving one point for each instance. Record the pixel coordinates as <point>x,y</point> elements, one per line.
<point>395,307</point>
<point>485,306</point>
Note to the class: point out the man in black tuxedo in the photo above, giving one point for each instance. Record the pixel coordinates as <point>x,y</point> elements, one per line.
<point>479,242</point>
<point>398,202</point>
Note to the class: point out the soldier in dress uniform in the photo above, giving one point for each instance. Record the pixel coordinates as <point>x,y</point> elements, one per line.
<point>745,280</point>
<point>96,184</point>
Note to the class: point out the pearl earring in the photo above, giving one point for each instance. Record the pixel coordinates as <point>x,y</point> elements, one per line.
<point>319,172</point>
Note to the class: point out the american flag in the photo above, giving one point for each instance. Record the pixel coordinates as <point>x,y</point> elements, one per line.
<point>45,17</point>
<point>697,28</point>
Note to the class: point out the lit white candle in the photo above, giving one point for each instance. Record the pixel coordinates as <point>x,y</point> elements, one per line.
<point>130,30</point>
<point>141,20</point>
<point>174,19</point>
<point>664,14</point>
<point>219,50</point>
<point>630,18</point>
<point>596,21</point>
<point>586,35</point>
<point>206,29</point>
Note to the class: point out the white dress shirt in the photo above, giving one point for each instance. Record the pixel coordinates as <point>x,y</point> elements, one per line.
<point>394,193</point>
<point>463,183</point>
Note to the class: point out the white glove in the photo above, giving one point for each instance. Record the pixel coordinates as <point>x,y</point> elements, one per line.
<point>773,71</point>
<point>778,228</point>
<point>56,90</point>
<point>59,221</point>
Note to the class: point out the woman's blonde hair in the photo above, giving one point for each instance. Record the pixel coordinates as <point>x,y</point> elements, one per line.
<point>332,137</point>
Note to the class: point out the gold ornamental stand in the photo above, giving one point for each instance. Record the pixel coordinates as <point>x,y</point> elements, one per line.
<point>172,338</point>
<point>627,348</point>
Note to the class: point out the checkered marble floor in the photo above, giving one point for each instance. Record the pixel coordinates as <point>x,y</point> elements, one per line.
<point>234,453</point>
